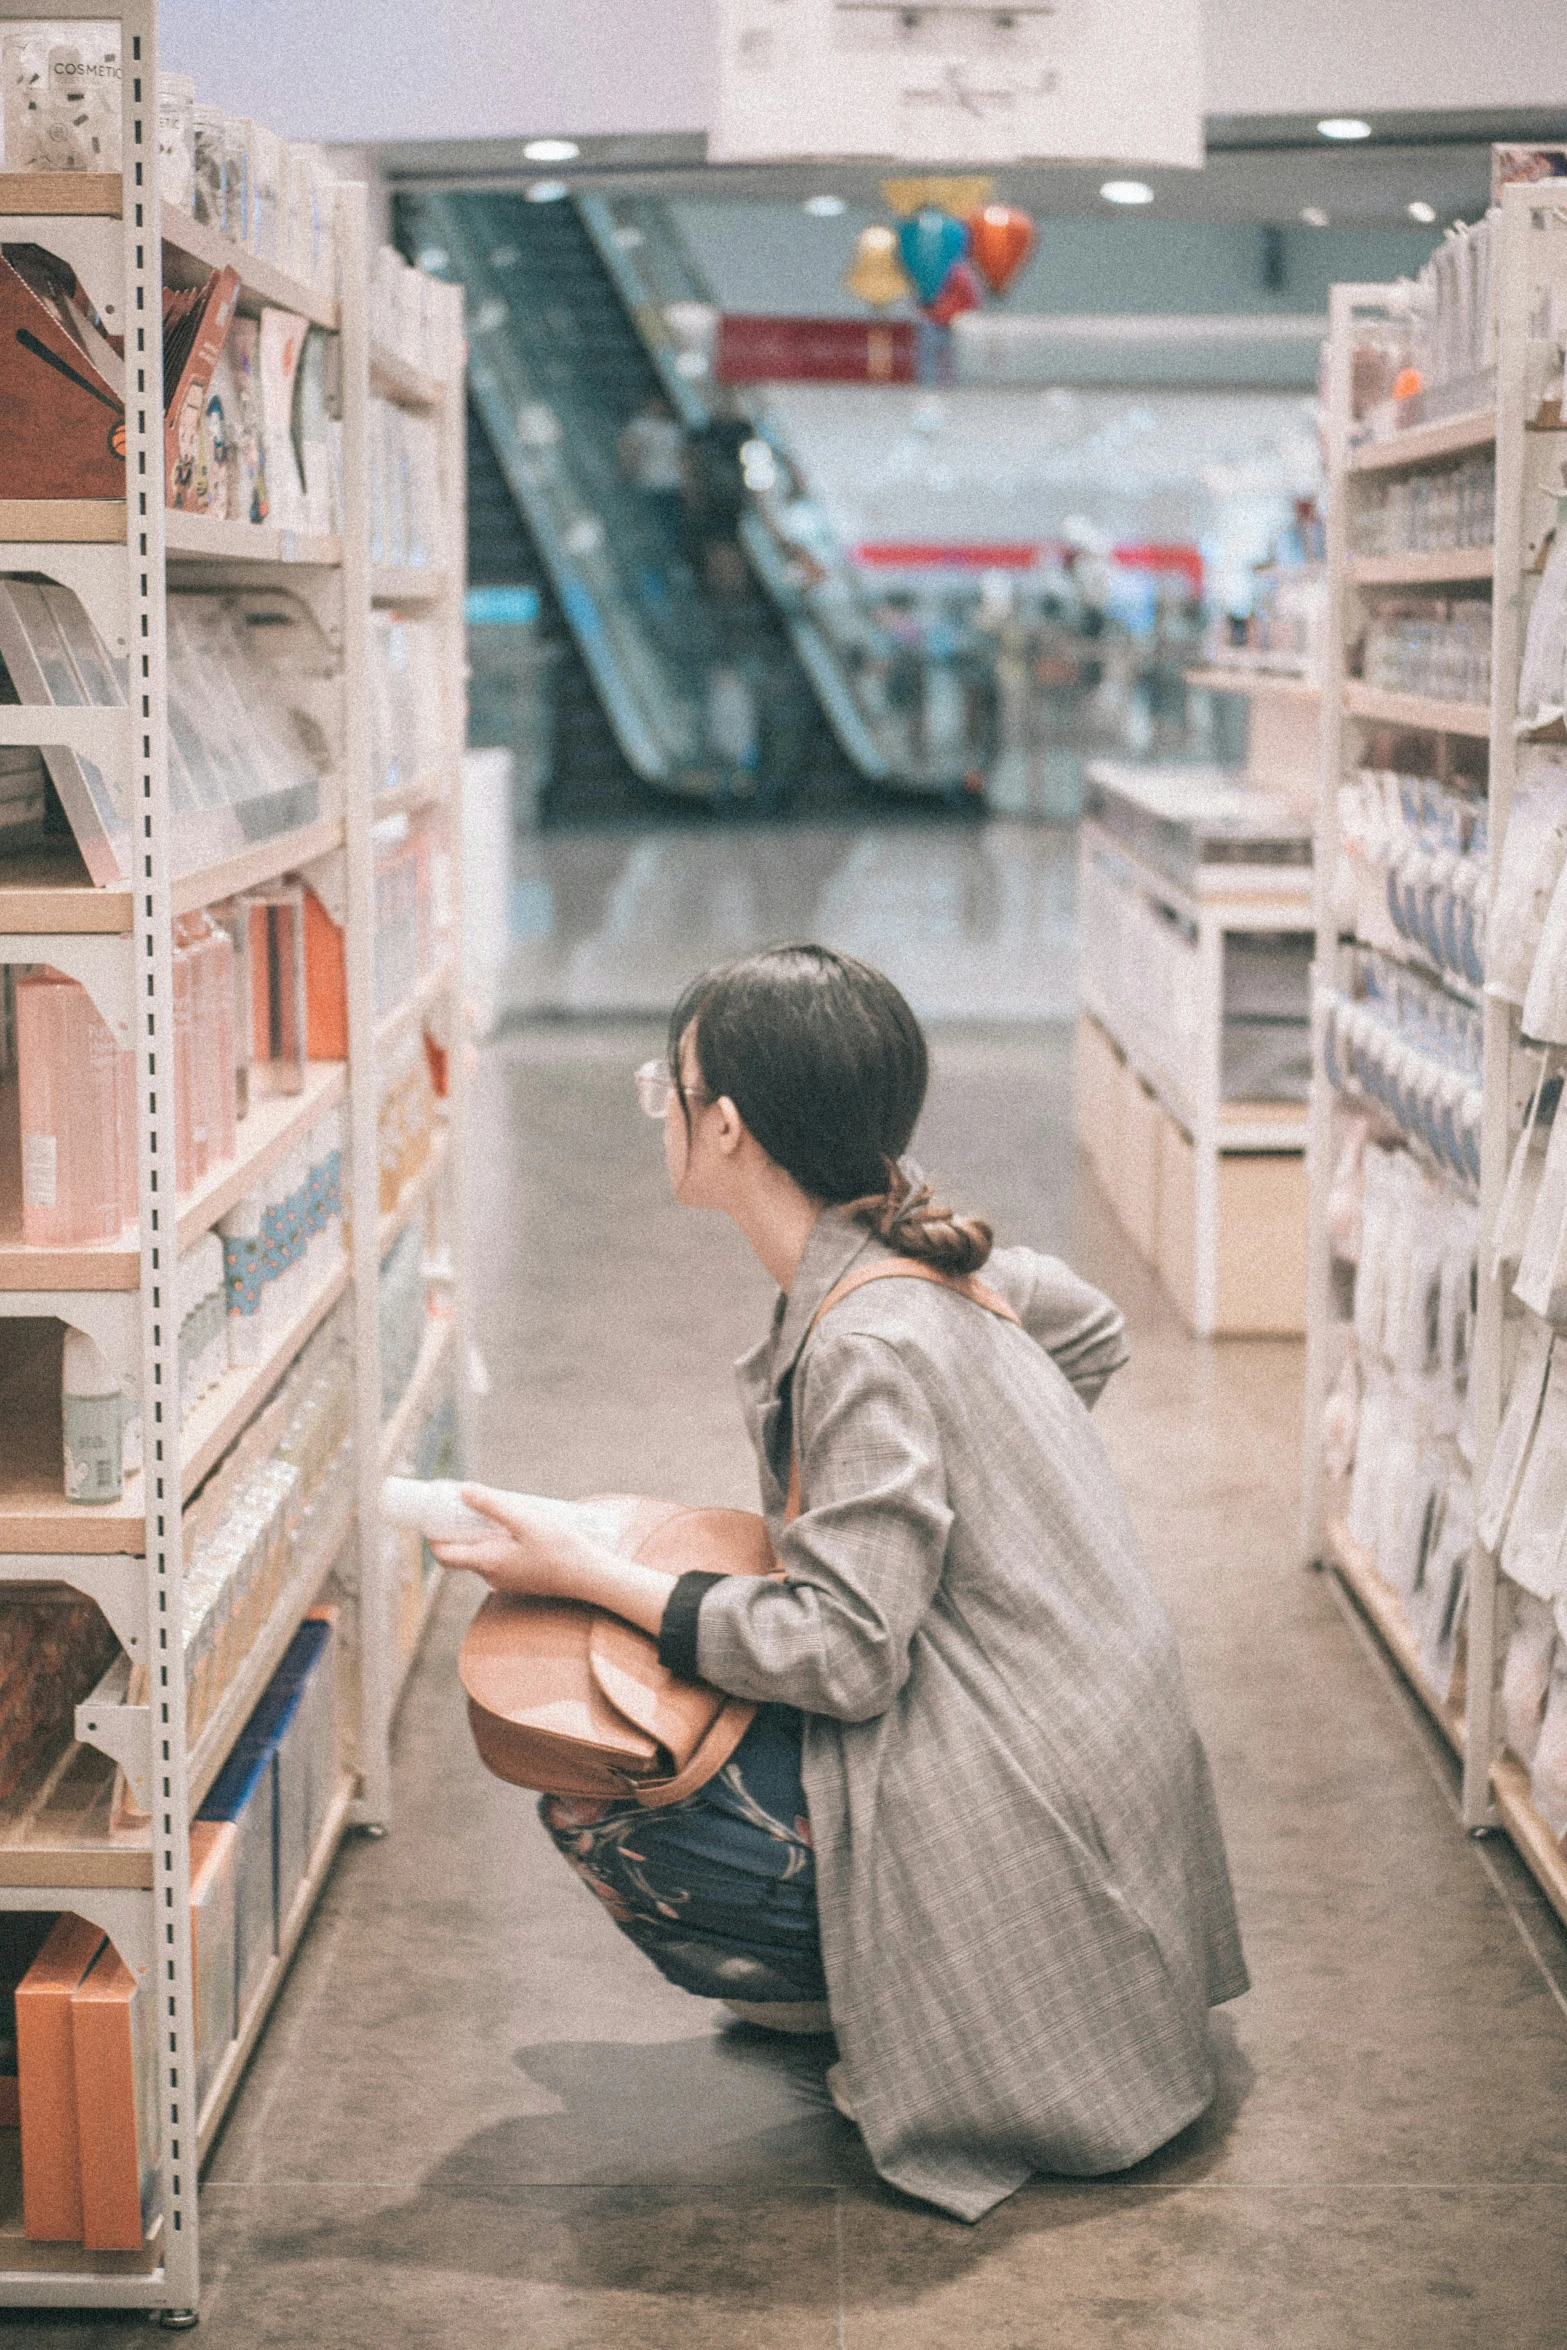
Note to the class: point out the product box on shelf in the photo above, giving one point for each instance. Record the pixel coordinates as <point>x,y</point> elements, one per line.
<point>46,2076</point>
<point>114,2042</point>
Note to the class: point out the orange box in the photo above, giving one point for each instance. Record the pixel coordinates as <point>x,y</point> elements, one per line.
<point>46,2082</point>
<point>116,2103</point>
<point>326,985</point>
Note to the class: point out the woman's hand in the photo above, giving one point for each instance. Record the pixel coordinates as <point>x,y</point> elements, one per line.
<point>539,1548</point>
<point>542,1549</point>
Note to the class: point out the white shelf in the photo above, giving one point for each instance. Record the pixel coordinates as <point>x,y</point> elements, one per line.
<point>47,890</point>
<point>412,588</point>
<point>220,540</point>
<point>275,1124</point>
<point>1417,712</point>
<point>1423,444</point>
<point>1431,569</point>
<point>416,1005</point>
<point>1217,677</point>
<point>434,1578</point>
<point>262,283</point>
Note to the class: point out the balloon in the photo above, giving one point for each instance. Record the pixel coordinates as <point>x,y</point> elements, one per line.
<point>930,243</point>
<point>1000,240</point>
<point>961,292</point>
<point>876,274</point>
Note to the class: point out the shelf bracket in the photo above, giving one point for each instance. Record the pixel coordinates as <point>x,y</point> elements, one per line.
<point>95,575</point>
<point>101,961</point>
<point>122,1732</point>
<point>116,1584</point>
<point>107,1316</point>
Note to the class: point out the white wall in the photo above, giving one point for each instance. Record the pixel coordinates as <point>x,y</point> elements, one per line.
<point>347,70</point>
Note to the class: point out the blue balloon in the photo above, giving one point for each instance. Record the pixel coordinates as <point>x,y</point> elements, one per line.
<point>930,243</point>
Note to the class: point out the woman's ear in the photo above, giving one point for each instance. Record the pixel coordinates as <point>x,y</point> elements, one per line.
<point>731,1127</point>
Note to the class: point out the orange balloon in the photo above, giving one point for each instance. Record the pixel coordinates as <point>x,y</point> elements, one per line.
<point>1001,239</point>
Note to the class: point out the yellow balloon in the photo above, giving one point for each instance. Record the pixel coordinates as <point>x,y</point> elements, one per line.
<point>876,275</point>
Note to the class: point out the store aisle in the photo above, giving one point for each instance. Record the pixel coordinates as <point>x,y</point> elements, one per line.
<point>478,2118</point>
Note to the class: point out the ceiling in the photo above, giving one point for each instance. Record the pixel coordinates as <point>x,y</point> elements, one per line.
<point>1261,169</point>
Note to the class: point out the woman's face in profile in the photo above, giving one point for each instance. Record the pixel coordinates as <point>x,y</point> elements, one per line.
<point>678,1124</point>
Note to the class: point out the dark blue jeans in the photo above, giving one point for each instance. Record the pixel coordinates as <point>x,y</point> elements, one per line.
<point>719,1891</point>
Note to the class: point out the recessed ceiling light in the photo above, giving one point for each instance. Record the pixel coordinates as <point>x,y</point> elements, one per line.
<point>1313,216</point>
<point>824,207</point>
<point>1344,126</point>
<point>1424,213</point>
<point>552,151</point>
<point>547,191</point>
<point>1127,192</point>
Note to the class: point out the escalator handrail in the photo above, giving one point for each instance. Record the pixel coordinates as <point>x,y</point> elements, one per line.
<point>816,655</point>
<point>639,301</point>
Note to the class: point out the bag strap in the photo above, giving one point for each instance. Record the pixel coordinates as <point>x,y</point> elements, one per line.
<point>891,1269</point>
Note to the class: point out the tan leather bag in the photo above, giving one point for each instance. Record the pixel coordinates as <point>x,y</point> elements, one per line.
<point>571,1700</point>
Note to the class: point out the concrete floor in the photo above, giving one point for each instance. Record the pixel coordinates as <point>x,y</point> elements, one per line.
<point>478,2118</point>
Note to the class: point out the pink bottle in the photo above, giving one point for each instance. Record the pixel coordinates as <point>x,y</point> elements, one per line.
<point>212,956</point>
<point>69,1084</point>
<point>190,1126</point>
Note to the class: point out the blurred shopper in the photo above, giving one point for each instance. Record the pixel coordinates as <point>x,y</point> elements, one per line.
<point>972,1809</point>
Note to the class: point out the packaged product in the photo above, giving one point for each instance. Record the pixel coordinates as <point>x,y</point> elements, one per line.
<point>62,96</point>
<point>1531,1550</point>
<point>1533,851</point>
<point>1548,1778</point>
<point>1541,1281</point>
<point>1526,1675</point>
<point>1515,1435</point>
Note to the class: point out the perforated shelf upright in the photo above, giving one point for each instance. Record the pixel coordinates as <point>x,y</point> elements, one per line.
<point>120,556</point>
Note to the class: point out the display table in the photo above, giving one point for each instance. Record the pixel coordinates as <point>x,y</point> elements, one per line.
<point>1193,1060</point>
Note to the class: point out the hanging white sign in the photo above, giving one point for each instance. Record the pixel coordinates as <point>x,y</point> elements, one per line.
<point>959,81</point>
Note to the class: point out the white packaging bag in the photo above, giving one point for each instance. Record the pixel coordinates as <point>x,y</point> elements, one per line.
<point>1533,852</point>
<point>1341,1418</point>
<point>1532,1545</point>
<point>1521,1191</point>
<point>1514,1436</point>
<point>1371,1272</point>
<point>1376,1413</point>
<point>1401,1497</point>
<point>1541,1281</point>
<point>1346,1197</point>
<point>1540,688</point>
<point>1545,997</point>
<point>1414,1526</point>
<point>1548,1779</point>
<point>1443,1598</point>
<point>1526,1675</point>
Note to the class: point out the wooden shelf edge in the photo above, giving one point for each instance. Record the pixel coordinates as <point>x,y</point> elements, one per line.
<point>1415,711</point>
<point>414,1403</point>
<point>1426,570</point>
<point>262,280</point>
<point>389,586</point>
<point>62,522</point>
<point>72,907</point>
<point>1540,1851</point>
<point>213,1748</point>
<point>1380,1603</point>
<point>415,1193</point>
<point>1423,442</point>
<point>232,2070</point>
<point>61,195</point>
<point>263,861</point>
<point>215,538</point>
<point>1217,678</point>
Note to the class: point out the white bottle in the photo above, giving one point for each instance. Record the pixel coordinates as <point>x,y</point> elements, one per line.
<point>93,1414</point>
<point>432,1507</point>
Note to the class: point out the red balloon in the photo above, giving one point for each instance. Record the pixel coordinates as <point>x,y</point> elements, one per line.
<point>959,292</point>
<point>1000,240</point>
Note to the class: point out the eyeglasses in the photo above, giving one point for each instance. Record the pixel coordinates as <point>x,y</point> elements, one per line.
<point>656,1089</point>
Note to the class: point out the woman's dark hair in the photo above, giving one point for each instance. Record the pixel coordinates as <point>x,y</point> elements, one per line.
<point>827,1066</point>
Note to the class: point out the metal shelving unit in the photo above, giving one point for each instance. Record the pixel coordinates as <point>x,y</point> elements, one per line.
<point>127,1557</point>
<point>1530,442</point>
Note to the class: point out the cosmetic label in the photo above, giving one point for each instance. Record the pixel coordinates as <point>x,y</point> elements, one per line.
<point>93,1470</point>
<point>40,1170</point>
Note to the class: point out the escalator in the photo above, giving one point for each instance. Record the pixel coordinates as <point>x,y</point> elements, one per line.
<point>700,666</point>
<point>687,660</point>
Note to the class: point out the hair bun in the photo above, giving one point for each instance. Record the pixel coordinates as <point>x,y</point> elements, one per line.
<point>911,1222</point>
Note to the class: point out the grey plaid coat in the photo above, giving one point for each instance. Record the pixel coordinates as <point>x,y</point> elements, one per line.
<point>1025,1907</point>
